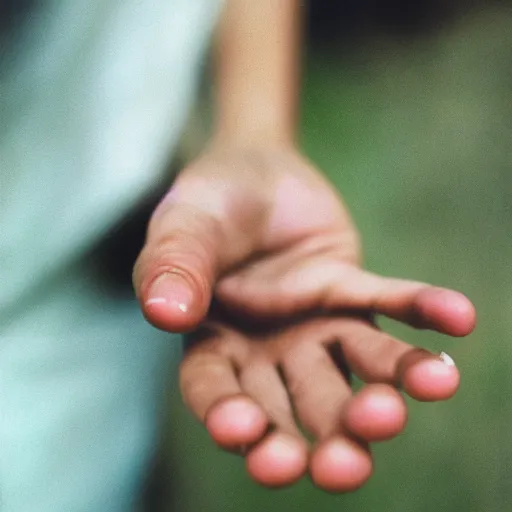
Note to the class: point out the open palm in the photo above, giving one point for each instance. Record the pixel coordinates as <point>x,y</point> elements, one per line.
<point>254,254</point>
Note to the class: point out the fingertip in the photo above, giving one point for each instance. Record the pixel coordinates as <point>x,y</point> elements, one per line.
<point>235,422</point>
<point>169,316</point>
<point>279,460</point>
<point>340,465</point>
<point>377,413</point>
<point>171,304</point>
<point>431,379</point>
<point>447,311</point>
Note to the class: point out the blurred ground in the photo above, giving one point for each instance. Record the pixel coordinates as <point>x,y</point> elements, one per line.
<point>416,132</point>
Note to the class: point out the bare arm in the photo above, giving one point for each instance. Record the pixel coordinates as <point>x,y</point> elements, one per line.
<point>257,71</point>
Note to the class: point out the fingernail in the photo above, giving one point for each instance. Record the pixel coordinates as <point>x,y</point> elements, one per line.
<point>172,290</point>
<point>446,359</point>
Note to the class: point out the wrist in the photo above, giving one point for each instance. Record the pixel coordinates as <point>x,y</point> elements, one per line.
<point>240,135</point>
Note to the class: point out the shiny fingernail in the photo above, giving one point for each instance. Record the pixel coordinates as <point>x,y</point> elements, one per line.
<point>171,289</point>
<point>446,359</point>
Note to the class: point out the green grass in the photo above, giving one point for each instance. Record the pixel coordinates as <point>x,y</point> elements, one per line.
<point>417,137</point>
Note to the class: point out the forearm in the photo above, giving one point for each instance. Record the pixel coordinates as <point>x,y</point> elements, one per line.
<point>257,71</point>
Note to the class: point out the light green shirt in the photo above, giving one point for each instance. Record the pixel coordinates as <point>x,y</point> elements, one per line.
<point>93,97</point>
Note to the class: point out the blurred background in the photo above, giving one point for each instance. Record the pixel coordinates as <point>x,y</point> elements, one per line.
<point>407,107</point>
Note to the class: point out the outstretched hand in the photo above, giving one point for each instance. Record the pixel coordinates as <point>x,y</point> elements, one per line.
<point>254,254</point>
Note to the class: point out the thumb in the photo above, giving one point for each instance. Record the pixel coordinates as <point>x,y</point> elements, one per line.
<point>177,268</point>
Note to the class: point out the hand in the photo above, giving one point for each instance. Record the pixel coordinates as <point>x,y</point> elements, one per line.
<point>263,234</point>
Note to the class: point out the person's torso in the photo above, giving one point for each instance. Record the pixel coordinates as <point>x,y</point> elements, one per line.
<point>93,95</point>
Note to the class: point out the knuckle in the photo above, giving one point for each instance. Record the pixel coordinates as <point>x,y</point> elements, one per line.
<point>201,371</point>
